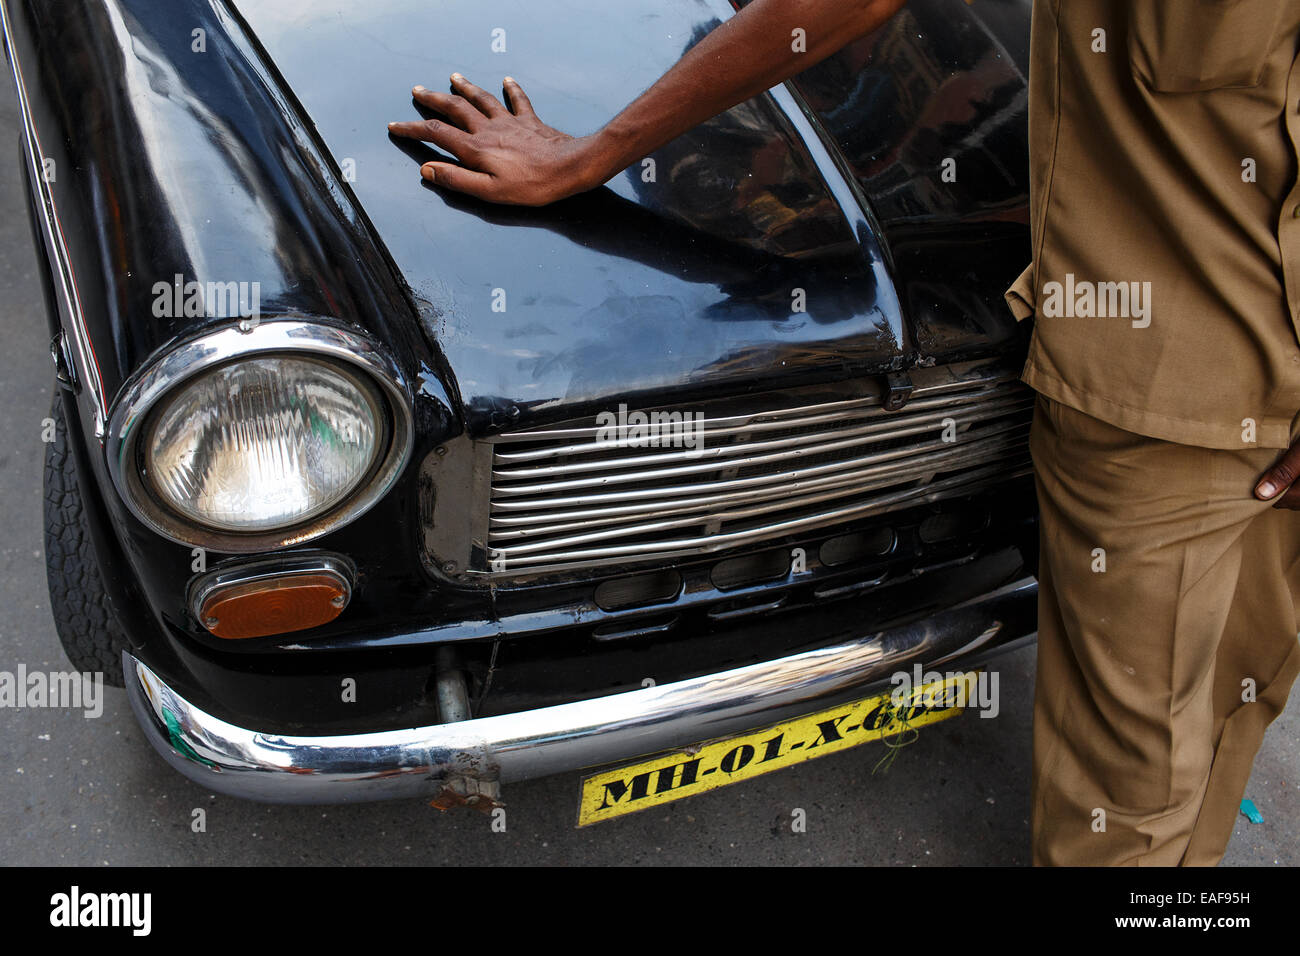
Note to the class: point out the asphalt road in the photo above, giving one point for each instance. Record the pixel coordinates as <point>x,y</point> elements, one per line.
<point>92,792</point>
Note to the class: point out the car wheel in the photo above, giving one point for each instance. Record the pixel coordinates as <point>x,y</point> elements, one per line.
<point>83,617</point>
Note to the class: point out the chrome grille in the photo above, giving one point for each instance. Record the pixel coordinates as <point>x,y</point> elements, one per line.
<point>563,497</point>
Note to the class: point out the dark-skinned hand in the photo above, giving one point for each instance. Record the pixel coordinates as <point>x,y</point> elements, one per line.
<point>505,155</point>
<point>1281,478</point>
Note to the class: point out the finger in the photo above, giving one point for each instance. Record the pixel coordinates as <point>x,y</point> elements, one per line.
<point>455,108</point>
<point>460,179</point>
<point>1280,476</point>
<point>1289,499</point>
<point>519,101</point>
<point>451,138</point>
<point>485,102</point>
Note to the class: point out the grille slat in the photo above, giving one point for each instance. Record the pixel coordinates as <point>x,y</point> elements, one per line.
<point>661,464</point>
<point>562,498</point>
<point>717,430</point>
<point>941,456</point>
<point>636,530</point>
<point>709,544</point>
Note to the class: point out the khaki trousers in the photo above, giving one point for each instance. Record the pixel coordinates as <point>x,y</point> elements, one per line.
<point>1168,600</point>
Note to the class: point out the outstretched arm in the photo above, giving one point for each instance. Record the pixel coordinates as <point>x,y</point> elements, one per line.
<point>511,156</point>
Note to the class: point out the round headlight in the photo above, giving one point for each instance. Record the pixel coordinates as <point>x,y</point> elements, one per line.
<point>263,443</point>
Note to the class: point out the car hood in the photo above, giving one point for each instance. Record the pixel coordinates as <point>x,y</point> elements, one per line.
<point>748,253</point>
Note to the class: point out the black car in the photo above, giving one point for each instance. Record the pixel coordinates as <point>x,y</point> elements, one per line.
<point>365,489</point>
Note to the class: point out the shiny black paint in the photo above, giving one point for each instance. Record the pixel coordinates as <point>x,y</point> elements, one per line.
<point>169,160</point>
<point>942,83</point>
<point>680,286</point>
<point>228,165</point>
<point>173,161</point>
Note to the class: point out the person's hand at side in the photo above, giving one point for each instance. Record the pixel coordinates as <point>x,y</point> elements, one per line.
<point>1278,484</point>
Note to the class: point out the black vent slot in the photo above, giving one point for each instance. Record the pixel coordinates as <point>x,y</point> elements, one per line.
<point>640,590</point>
<point>750,569</point>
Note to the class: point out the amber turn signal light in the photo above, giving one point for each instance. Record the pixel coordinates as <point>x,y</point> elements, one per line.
<point>273,605</point>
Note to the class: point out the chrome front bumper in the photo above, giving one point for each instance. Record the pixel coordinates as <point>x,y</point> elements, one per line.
<point>419,761</point>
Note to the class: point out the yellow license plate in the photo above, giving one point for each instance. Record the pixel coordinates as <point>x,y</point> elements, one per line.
<point>718,763</point>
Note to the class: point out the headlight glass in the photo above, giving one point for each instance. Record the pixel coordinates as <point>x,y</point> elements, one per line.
<point>263,443</point>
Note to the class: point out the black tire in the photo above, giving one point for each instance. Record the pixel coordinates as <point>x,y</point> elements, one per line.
<point>83,617</point>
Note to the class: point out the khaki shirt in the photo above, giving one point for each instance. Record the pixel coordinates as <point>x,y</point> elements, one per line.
<point>1165,213</point>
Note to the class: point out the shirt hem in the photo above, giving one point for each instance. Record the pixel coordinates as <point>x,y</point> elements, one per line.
<point>1270,432</point>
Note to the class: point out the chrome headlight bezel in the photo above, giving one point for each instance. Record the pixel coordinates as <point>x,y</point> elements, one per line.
<point>132,415</point>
